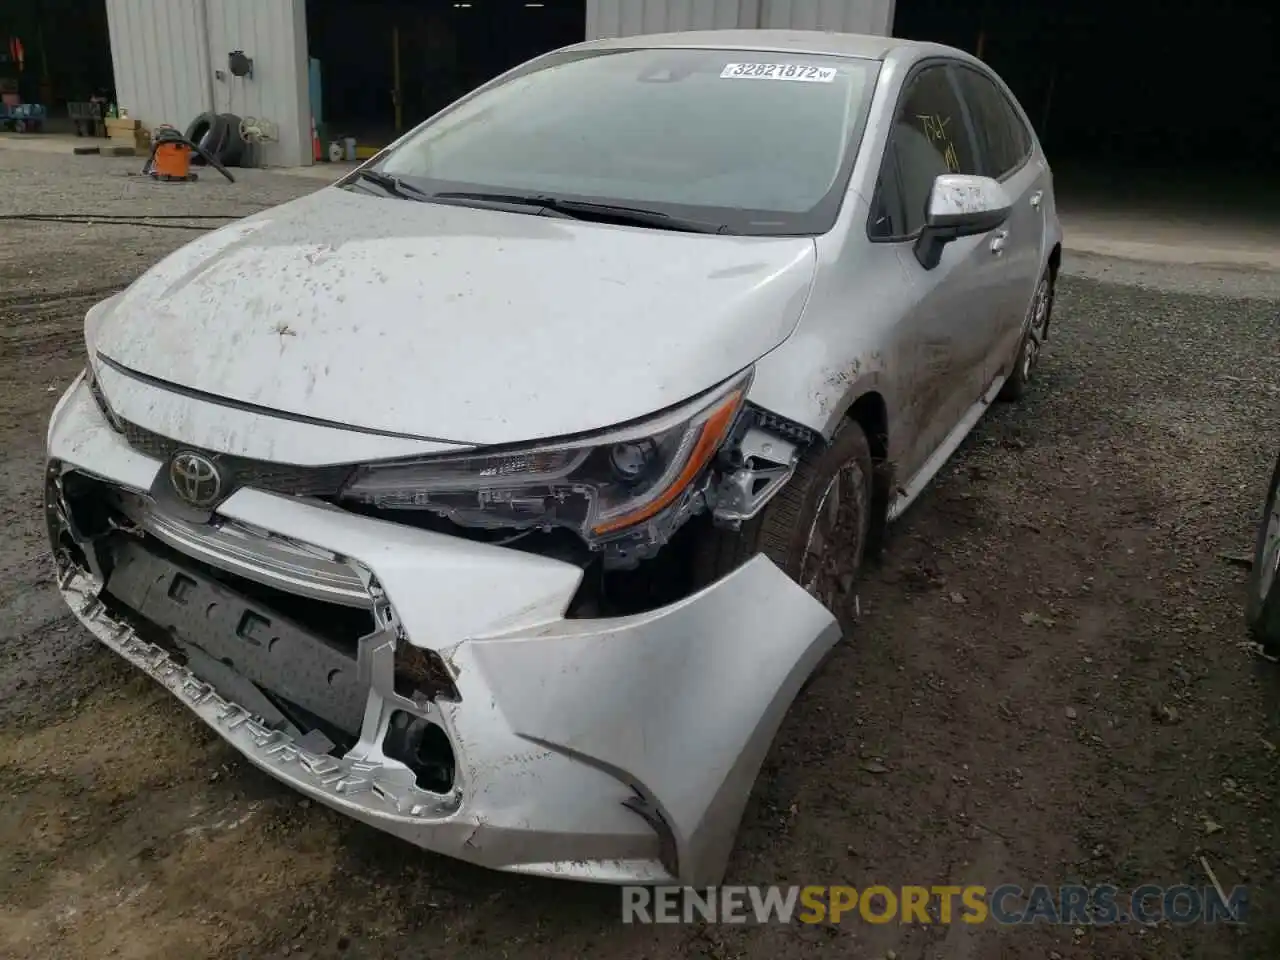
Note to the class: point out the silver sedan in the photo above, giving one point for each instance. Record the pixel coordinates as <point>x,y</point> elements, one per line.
<point>504,494</point>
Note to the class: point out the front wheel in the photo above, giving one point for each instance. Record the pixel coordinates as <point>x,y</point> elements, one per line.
<point>815,528</point>
<point>1262,608</point>
<point>1035,330</point>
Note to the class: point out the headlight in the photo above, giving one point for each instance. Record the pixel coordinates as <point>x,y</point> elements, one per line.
<point>599,485</point>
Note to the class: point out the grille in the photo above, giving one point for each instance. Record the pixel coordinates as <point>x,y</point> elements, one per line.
<point>260,474</point>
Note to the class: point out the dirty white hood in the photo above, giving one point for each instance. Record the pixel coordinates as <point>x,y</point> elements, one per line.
<point>473,326</point>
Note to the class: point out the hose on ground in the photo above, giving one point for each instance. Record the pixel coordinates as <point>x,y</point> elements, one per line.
<point>91,220</point>
<point>122,216</point>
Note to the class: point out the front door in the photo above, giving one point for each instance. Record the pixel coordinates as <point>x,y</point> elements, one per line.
<point>943,338</point>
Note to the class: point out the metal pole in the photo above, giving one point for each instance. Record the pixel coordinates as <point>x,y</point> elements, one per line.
<point>210,90</point>
<point>395,69</point>
<point>1048,100</point>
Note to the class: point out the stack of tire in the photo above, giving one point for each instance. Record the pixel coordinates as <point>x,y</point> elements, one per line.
<point>219,135</point>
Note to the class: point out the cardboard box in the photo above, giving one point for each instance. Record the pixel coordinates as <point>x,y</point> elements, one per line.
<point>137,141</point>
<point>124,125</point>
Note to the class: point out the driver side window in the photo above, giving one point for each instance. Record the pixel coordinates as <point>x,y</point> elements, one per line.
<point>929,138</point>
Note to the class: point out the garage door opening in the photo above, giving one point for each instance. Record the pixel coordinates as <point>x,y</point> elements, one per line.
<point>1146,109</point>
<point>386,65</point>
<point>44,61</point>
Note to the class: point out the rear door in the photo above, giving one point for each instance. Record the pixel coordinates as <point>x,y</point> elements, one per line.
<point>1005,153</point>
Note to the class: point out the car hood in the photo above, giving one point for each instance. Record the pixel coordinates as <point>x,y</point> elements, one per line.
<point>467,325</point>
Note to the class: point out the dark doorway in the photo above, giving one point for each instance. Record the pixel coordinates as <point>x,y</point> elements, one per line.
<point>1142,83</point>
<point>429,52</point>
<point>66,51</point>
<point>1156,116</point>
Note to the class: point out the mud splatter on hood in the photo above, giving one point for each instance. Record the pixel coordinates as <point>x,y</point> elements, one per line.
<point>471,325</point>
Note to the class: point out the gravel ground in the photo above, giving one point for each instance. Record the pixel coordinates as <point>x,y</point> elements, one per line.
<point>1050,682</point>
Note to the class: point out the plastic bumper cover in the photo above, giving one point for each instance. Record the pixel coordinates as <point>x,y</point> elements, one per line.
<point>616,750</point>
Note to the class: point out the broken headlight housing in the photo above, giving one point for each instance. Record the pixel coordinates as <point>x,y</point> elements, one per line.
<point>629,481</point>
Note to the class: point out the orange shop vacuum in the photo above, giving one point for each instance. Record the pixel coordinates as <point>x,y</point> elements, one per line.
<point>170,159</point>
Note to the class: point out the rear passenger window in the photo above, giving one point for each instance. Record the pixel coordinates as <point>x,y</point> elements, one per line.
<point>1003,140</point>
<point>929,138</point>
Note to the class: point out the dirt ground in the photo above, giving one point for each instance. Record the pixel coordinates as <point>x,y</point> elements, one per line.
<point>1050,682</point>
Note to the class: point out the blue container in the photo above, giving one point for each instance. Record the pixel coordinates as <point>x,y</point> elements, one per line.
<point>313,84</point>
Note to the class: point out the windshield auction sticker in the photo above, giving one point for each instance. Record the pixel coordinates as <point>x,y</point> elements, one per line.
<point>777,71</point>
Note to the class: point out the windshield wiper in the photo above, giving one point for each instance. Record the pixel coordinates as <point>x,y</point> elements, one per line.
<point>589,210</point>
<point>640,216</point>
<point>393,185</point>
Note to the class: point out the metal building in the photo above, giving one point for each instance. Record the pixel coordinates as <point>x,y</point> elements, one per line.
<point>622,18</point>
<point>170,57</point>
<point>170,60</point>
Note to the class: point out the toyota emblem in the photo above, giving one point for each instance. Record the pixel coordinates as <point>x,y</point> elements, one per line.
<point>195,479</point>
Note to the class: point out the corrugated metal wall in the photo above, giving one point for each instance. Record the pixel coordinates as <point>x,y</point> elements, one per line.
<point>625,18</point>
<point>274,34</point>
<point>846,16</point>
<point>166,54</point>
<point>160,58</point>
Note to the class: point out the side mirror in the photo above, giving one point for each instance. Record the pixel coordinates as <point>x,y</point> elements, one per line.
<point>960,205</point>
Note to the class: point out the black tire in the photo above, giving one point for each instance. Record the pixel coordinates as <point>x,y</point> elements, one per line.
<point>232,149</point>
<point>199,132</point>
<point>213,132</point>
<point>782,530</point>
<point>1035,332</point>
<point>216,140</point>
<point>1262,607</point>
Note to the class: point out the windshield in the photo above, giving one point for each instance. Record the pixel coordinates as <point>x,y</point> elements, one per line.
<point>757,142</point>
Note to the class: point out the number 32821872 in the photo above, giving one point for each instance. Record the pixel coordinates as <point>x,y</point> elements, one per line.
<point>778,71</point>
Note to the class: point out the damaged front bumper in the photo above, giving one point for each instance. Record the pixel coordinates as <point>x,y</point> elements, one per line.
<point>615,750</point>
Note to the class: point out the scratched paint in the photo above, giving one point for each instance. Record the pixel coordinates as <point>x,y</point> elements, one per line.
<point>959,193</point>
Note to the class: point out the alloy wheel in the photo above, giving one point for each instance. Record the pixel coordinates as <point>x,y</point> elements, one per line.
<point>1270,558</point>
<point>1037,327</point>
<point>834,543</point>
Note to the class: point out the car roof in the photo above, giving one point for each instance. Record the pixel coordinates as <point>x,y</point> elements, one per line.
<point>864,46</point>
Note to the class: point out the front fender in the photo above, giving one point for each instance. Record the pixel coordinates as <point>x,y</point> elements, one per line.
<point>802,381</point>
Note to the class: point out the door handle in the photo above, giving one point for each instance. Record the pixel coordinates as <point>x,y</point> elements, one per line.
<point>1036,198</point>
<point>997,242</point>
